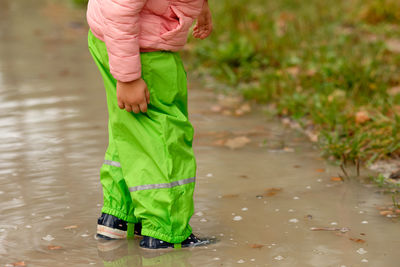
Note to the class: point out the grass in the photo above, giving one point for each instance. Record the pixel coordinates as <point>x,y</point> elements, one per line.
<point>325,64</point>
<point>80,2</point>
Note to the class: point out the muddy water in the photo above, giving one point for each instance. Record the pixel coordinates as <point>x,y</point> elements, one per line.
<point>52,140</point>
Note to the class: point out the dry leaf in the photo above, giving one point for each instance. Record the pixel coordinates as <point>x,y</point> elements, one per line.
<point>54,247</point>
<point>320,170</point>
<point>311,72</point>
<point>393,45</point>
<point>288,149</point>
<point>216,108</point>
<point>246,107</point>
<point>293,70</point>
<point>313,137</point>
<point>19,263</point>
<point>239,112</point>
<point>272,191</point>
<point>237,142</point>
<point>70,227</point>
<point>336,179</point>
<point>386,212</point>
<point>285,111</point>
<point>394,90</point>
<point>357,240</point>
<point>256,245</point>
<point>397,109</point>
<point>362,116</point>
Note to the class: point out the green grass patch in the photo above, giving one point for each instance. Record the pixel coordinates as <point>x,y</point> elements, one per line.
<point>324,62</point>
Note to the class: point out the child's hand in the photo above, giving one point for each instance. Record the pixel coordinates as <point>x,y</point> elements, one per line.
<point>133,96</point>
<point>203,27</point>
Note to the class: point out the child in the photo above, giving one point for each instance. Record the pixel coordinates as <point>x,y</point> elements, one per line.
<point>148,175</point>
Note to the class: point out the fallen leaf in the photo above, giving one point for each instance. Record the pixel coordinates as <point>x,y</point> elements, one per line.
<point>394,90</point>
<point>311,72</point>
<point>54,247</point>
<point>256,245</point>
<point>70,227</point>
<point>357,240</point>
<point>19,263</point>
<point>386,212</point>
<point>239,112</point>
<point>237,142</point>
<point>312,136</point>
<point>336,179</point>
<point>320,170</point>
<point>216,108</point>
<point>361,117</point>
<point>282,22</point>
<point>396,109</point>
<point>272,191</point>
<point>293,70</point>
<point>288,149</point>
<point>246,107</point>
<point>371,37</point>
<point>393,45</point>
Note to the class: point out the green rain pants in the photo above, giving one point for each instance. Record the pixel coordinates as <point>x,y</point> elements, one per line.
<point>148,175</point>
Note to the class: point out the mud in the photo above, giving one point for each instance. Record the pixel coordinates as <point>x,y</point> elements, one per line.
<point>260,200</point>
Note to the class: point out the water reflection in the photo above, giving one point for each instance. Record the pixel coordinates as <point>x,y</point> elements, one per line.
<point>128,253</point>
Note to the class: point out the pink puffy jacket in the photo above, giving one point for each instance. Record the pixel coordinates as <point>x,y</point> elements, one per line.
<point>130,26</point>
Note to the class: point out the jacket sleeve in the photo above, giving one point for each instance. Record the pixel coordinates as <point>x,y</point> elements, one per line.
<point>121,36</point>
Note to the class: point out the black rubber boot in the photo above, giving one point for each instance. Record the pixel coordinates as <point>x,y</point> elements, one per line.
<point>110,227</point>
<point>154,243</point>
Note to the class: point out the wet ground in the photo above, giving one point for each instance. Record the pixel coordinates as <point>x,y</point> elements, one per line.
<point>260,200</point>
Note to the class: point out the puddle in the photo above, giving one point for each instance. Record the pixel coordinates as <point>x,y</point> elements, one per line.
<point>270,200</point>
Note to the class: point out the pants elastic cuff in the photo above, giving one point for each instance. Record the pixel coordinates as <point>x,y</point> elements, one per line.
<point>119,214</point>
<point>167,238</point>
